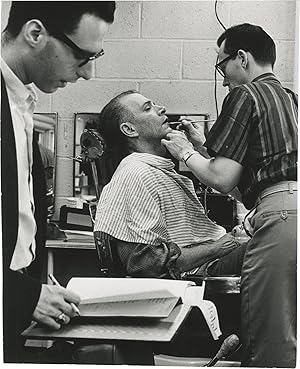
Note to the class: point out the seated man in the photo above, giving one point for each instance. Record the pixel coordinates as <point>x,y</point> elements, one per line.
<point>152,212</point>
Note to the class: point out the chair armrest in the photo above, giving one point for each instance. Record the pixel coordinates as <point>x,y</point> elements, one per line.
<point>110,265</point>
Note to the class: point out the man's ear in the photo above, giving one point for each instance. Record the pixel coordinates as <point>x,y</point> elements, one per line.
<point>35,33</point>
<point>243,56</point>
<point>128,129</point>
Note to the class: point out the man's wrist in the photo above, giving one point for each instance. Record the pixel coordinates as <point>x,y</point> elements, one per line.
<point>187,155</point>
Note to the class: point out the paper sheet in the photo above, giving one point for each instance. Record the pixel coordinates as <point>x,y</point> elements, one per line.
<point>118,289</point>
<point>194,297</point>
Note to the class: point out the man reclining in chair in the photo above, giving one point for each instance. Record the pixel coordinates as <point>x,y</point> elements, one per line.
<point>152,212</point>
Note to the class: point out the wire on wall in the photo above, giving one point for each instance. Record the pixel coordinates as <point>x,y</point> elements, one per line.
<point>216,13</point>
<point>208,189</point>
<point>215,86</point>
<point>215,90</point>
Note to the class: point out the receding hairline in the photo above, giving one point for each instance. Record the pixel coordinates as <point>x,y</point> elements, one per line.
<point>122,104</point>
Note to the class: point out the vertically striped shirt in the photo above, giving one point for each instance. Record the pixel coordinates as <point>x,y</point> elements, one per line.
<point>258,128</point>
<point>148,202</point>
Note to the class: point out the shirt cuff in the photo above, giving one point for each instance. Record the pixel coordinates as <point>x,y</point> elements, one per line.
<point>174,253</point>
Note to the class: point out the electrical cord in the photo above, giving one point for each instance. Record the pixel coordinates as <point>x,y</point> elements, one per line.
<point>218,19</point>
<point>215,87</point>
<point>215,96</point>
<point>215,91</point>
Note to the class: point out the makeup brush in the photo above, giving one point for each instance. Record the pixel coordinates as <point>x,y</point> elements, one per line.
<point>174,125</point>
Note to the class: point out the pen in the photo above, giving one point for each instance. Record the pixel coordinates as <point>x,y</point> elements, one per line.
<point>55,281</point>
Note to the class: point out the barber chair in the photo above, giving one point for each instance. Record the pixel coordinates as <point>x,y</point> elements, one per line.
<point>110,264</point>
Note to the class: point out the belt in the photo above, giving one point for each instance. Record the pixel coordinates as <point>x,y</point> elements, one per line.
<point>283,186</point>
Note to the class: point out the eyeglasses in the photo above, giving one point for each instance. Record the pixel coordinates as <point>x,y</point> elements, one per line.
<point>217,66</point>
<point>83,54</point>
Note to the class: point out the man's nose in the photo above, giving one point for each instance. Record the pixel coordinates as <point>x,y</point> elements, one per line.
<point>161,109</point>
<point>85,71</point>
<point>225,82</point>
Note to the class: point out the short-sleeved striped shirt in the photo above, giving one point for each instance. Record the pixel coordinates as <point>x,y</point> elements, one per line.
<point>258,128</point>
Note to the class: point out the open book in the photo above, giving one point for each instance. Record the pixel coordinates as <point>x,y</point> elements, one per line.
<point>131,297</point>
<point>131,309</point>
<point>141,297</point>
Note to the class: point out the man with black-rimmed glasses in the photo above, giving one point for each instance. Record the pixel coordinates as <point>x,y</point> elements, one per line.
<point>253,146</point>
<point>49,44</point>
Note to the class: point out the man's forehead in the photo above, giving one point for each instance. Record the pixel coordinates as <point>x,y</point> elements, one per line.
<point>135,100</point>
<point>221,52</point>
<point>90,32</point>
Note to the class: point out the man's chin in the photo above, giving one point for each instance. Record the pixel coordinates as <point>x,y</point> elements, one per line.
<point>47,90</point>
<point>51,90</point>
<point>51,87</point>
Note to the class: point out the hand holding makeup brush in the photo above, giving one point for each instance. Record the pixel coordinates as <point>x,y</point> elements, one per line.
<point>195,135</point>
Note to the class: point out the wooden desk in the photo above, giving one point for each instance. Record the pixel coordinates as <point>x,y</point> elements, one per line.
<point>52,245</point>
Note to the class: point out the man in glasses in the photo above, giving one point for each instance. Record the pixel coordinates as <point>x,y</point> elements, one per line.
<point>253,145</point>
<point>48,44</point>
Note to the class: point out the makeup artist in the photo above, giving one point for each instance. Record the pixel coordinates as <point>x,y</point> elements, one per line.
<point>253,145</point>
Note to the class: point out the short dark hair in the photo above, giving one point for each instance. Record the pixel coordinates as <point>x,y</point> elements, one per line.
<point>62,16</point>
<point>250,38</point>
<point>111,116</point>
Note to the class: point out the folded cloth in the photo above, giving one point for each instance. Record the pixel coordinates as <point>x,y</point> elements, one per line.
<point>148,202</point>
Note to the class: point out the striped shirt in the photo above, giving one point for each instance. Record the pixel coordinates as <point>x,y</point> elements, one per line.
<point>148,202</point>
<point>258,128</point>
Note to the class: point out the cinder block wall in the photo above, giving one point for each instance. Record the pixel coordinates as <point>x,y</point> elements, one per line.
<point>166,50</point>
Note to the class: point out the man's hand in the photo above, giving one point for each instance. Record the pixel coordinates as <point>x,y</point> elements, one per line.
<point>193,131</point>
<point>177,144</point>
<point>195,135</point>
<point>53,301</point>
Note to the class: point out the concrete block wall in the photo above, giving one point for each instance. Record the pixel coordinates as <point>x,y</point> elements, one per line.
<point>166,50</point>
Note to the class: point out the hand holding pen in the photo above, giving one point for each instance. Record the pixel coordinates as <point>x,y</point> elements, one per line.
<point>55,306</point>
<point>74,307</point>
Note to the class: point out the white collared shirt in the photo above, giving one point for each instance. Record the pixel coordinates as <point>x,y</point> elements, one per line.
<point>22,101</point>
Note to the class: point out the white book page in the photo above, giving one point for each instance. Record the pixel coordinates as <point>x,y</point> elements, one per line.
<point>194,297</point>
<point>152,308</point>
<point>122,289</point>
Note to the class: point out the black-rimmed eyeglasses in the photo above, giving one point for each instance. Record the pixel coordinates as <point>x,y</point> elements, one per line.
<point>82,54</point>
<point>217,66</point>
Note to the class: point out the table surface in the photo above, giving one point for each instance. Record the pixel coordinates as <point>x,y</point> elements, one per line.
<point>71,244</point>
<point>115,328</point>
